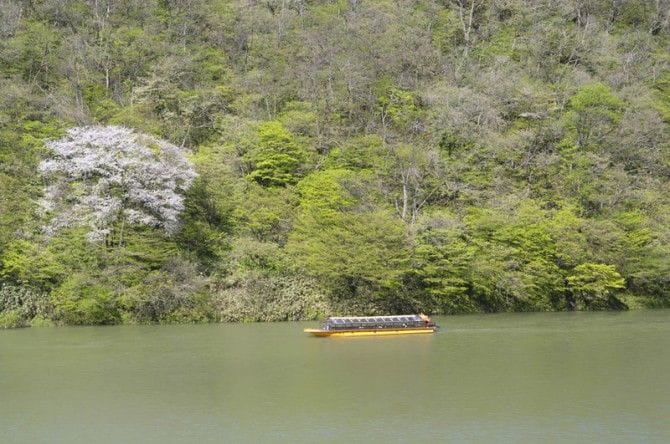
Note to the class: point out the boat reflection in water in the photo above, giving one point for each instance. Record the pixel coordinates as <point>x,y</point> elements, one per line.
<point>374,326</point>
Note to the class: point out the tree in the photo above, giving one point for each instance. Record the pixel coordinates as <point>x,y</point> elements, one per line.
<point>36,53</point>
<point>416,178</point>
<point>344,240</point>
<point>277,157</point>
<point>595,112</point>
<point>466,14</point>
<point>397,108</point>
<point>442,261</point>
<point>593,283</point>
<point>83,300</point>
<point>99,176</point>
<point>491,261</point>
<point>455,155</point>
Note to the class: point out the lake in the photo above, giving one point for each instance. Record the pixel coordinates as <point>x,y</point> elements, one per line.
<point>554,377</point>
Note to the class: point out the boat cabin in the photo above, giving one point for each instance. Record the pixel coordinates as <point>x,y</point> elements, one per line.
<point>375,322</point>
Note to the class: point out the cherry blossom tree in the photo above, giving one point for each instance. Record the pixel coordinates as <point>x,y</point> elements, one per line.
<point>99,176</point>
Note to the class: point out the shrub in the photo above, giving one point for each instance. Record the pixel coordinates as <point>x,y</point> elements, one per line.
<point>25,302</point>
<point>39,321</point>
<point>198,314</point>
<point>81,300</point>
<point>271,298</point>
<point>171,294</point>
<point>11,319</point>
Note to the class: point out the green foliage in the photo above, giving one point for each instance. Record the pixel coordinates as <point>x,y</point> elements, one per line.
<point>84,300</point>
<point>35,53</point>
<point>328,191</point>
<point>251,255</point>
<point>173,293</point>
<point>447,32</point>
<point>597,98</point>
<point>663,101</point>
<point>443,260</point>
<point>595,111</point>
<point>566,228</point>
<point>44,266</point>
<point>204,225</point>
<point>396,106</point>
<point>593,283</point>
<point>39,321</point>
<point>277,158</point>
<point>11,319</point>
<point>24,302</point>
<point>450,143</point>
<point>353,157</point>
<point>350,248</point>
<point>503,43</point>
<point>500,262</point>
<point>339,239</point>
<point>265,213</point>
<point>300,119</point>
<point>100,105</point>
<point>361,153</point>
<point>21,145</point>
<point>145,247</point>
<point>271,298</point>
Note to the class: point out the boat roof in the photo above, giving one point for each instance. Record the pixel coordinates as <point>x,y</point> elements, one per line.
<point>395,318</point>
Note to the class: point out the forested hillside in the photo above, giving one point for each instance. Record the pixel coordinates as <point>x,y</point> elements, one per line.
<point>194,160</point>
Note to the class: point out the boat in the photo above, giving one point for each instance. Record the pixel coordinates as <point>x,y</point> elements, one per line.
<point>374,326</point>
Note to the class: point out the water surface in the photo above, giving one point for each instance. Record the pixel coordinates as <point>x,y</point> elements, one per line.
<point>552,377</point>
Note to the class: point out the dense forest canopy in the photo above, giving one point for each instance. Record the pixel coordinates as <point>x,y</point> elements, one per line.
<point>194,160</point>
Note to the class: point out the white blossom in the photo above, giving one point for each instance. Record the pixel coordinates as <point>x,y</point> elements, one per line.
<point>99,175</point>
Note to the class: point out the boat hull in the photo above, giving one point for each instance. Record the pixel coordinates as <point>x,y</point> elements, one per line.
<point>370,332</point>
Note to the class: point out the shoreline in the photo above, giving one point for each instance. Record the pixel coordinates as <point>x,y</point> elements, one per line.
<point>42,322</point>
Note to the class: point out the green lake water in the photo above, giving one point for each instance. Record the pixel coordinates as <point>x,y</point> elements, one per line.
<point>542,377</point>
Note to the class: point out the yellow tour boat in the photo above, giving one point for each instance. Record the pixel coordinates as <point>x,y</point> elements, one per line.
<point>374,326</point>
